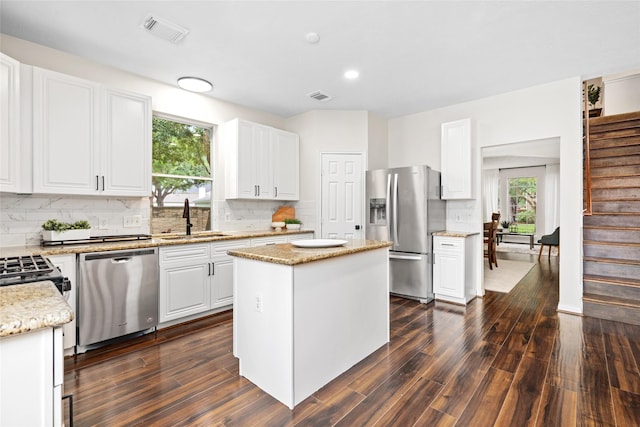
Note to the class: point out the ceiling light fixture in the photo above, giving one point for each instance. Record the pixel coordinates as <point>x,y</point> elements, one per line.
<point>194,84</point>
<point>312,38</point>
<point>351,74</point>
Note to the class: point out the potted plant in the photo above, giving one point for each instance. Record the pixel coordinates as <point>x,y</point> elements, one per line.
<point>292,223</point>
<point>505,225</point>
<point>593,96</point>
<point>55,230</point>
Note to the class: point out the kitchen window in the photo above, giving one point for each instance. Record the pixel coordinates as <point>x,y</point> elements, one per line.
<point>182,169</point>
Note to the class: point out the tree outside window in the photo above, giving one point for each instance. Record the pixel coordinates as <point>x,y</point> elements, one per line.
<point>181,170</point>
<point>522,203</point>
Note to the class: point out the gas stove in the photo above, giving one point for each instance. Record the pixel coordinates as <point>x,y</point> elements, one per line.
<point>20,270</point>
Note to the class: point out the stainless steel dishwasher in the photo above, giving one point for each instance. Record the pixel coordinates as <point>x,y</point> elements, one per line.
<point>117,294</point>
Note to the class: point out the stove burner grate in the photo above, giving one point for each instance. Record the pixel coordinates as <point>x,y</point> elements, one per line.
<point>23,266</point>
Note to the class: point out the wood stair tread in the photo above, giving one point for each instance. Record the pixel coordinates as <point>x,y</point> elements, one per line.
<point>612,280</point>
<point>599,242</point>
<point>613,260</point>
<point>609,300</point>
<point>614,118</point>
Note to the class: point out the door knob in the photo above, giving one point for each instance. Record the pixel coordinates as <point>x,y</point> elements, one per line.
<point>357,227</point>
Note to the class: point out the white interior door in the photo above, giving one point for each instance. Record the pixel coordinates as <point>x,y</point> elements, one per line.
<point>342,196</point>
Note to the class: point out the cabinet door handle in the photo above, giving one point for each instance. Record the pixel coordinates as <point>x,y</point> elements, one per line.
<point>255,190</point>
<point>447,244</point>
<point>102,182</point>
<point>275,189</point>
<point>213,269</point>
<point>258,190</point>
<point>209,265</point>
<point>97,183</point>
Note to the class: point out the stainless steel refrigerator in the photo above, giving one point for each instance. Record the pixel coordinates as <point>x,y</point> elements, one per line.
<point>405,207</point>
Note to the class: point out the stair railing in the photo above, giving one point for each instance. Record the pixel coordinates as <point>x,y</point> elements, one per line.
<point>587,158</point>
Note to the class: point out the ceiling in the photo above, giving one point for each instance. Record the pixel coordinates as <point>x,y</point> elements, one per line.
<point>412,55</point>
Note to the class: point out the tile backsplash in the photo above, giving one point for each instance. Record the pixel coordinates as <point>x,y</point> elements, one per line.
<point>21,216</point>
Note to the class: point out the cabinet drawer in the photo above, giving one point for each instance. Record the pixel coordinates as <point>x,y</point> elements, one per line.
<point>219,250</point>
<point>184,253</point>
<point>447,243</point>
<point>264,241</point>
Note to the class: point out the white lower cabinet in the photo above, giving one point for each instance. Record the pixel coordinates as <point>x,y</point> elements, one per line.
<point>32,372</point>
<point>195,278</point>
<point>67,265</point>
<point>302,236</point>
<point>451,269</point>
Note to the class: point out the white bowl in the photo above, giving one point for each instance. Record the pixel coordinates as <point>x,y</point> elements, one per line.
<point>293,226</point>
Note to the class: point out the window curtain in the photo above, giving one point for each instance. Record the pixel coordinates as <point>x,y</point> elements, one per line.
<point>490,190</point>
<point>552,198</point>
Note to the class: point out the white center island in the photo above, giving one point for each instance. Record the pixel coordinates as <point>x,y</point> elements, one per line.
<point>303,316</point>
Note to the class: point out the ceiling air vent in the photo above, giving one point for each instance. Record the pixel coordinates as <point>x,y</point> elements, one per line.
<point>319,96</point>
<point>164,29</point>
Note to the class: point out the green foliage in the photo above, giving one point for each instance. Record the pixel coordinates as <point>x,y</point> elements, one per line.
<point>292,221</point>
<point>505,224</point>
<point>55,225</point>
<point>593,94</point>
<point>179,149</point>
<point>526,217</point>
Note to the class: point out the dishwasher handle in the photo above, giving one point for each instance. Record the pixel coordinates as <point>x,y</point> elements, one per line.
<point>118,257</point>
<point>121,260</point>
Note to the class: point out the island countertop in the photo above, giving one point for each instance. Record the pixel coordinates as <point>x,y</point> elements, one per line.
<point>288,254</point>
<point>31,306</point>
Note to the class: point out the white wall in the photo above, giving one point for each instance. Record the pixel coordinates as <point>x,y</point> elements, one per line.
<point>547,111</point>
<point>621,93</point>
<point>378,142</point>
<point>324,131</point>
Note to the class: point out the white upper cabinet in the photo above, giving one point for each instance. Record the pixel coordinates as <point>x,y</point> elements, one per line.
<point>456,160</point>
<point>10,123</point>
<point>261,162</point>
<point>286,169</point>
<point>88,139</point>
<point>126,149</point>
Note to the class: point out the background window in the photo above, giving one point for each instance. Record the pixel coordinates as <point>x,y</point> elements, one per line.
<point>522,203</point>
<point>181,170</point>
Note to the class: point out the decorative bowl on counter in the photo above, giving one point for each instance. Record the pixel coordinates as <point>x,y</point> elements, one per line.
<point>293,226</point>
<point>277,225</point>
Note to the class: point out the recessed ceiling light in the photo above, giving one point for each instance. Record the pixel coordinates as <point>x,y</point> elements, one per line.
<point>312,38</point>
<point>351,74</point>
<point>194,84</point>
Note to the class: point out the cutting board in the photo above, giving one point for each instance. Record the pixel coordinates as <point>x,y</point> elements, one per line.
<point>283,213</point>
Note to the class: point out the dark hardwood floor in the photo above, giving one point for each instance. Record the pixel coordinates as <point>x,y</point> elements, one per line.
<point>504,360</point>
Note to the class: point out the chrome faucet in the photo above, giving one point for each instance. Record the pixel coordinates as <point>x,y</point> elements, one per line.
<point>186,213</point>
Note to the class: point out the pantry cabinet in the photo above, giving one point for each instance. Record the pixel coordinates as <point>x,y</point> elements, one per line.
<point>89,139</point>
<point>455,151</point>
<point>261,162</point>
<point>10,119</point>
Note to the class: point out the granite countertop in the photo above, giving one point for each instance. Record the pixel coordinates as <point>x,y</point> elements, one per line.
<point>157,240</point>
<point>455,233</point>
<point>31,306</point>
<point>288,254</point>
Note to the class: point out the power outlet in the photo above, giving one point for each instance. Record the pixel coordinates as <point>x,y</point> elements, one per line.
<point>258,306</point>
<point>104,224</point>
<point>133,221</point>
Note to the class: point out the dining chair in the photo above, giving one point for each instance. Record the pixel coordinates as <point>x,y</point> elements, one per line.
<point>490,230</point>
<point>550,240</point>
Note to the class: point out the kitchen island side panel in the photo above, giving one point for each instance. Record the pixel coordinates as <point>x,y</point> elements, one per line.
<point>264,325</point>
<point>298,327</point>
<point>341,315</point>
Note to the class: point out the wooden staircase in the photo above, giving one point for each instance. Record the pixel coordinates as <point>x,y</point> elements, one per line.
<point>612,232</point>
